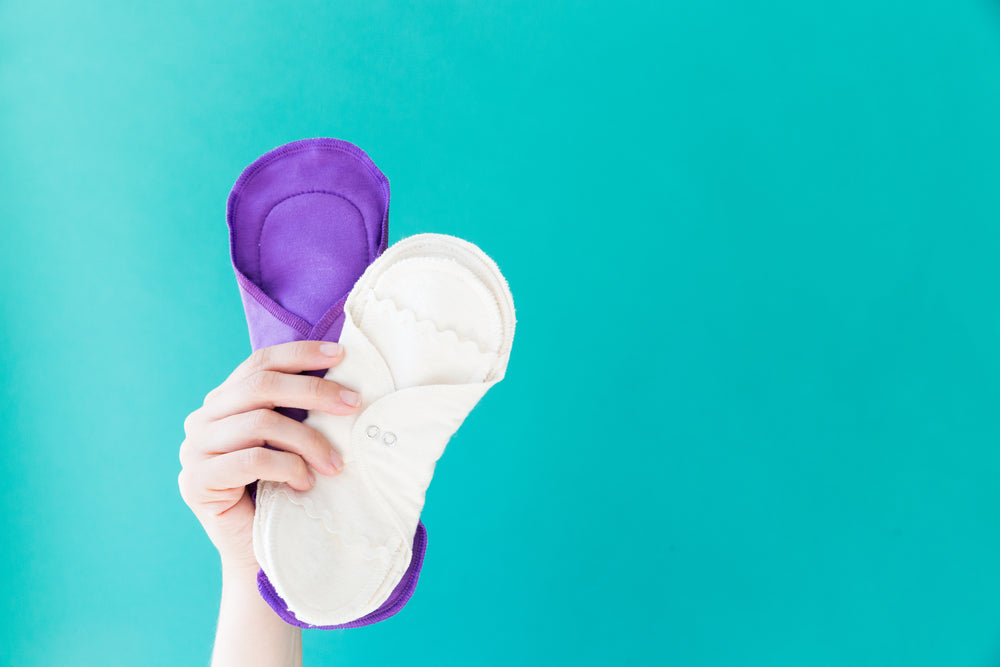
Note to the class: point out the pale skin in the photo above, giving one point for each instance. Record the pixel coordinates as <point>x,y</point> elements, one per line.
<point>223,452</point>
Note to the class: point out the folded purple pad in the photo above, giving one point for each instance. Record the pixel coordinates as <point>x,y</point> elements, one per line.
<point>305,221</point>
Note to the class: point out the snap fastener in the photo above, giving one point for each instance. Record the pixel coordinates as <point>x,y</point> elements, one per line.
<point>389,438</point>
<point>372,431</point>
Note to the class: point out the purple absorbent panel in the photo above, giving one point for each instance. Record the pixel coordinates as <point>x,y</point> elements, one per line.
<point>305,221</point>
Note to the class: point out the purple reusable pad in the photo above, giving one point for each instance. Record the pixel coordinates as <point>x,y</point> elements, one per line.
<point>305,220</point>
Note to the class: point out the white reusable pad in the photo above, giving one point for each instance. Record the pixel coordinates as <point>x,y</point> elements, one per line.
<point>428,330</point>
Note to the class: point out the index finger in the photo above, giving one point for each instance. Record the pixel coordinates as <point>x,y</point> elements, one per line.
<point>303,355</point>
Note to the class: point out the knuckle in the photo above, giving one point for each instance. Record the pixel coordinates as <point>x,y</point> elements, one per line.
<point>184,453</point>
<point>258,420</point>
<point>261,382</point>
<point>260,359</point>
<point>210,396</point>
<point>253,458</point>
<point>317,387</point>
<point>183,484</point>
<point>189,423</point>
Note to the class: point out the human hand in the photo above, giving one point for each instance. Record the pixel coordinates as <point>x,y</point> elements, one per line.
<point>223,449</point>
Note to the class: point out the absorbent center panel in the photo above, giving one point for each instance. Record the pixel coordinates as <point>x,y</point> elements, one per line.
<point>311,244</point>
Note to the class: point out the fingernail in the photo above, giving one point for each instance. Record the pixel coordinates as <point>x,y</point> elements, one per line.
<point>312,477</point>
<point>338,463</point>
<point>350,397</point>
<point>331,349</point>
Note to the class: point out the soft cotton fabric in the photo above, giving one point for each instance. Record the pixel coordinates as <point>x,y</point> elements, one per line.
<point>428,330</point>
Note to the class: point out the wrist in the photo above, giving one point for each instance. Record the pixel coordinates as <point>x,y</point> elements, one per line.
<point>249,633</point>
<point>239,571</point>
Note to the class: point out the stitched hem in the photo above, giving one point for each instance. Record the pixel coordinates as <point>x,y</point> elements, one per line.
<point>392,606</point>
<point>300,325</point>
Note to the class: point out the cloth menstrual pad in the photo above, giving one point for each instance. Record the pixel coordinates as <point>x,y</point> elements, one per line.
<point>428,330</point>
<point>305,220</point>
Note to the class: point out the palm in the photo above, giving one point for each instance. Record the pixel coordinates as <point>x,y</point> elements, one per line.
<point>228,520</point>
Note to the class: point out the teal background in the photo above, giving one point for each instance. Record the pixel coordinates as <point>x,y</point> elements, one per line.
<point>751,415</point>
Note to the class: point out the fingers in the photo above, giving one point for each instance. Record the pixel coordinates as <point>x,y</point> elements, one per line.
<point>219,482</point>
<point>252,384</point>
<point>305,355</point>
<point>272,389</point>
<point>224,451</point>
<point>237,469</point>
<point>257,427</point>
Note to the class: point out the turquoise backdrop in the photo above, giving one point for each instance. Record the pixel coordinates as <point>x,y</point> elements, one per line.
<point>751,416</point>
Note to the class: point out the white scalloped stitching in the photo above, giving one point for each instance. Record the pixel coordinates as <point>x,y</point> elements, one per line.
<point>426,326</point>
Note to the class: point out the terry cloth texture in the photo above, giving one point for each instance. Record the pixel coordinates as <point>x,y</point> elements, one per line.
<point>305,220</point>
<point>428,330</point>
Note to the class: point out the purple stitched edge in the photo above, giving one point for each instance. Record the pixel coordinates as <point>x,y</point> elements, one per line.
<point>249,286</point>
<point>393,605</point>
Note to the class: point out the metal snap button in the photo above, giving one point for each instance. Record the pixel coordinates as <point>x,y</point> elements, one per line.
<point>372,431</point>
<point>389,438</point>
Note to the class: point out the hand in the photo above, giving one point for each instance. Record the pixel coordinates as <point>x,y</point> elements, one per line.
<point>223,450</point>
